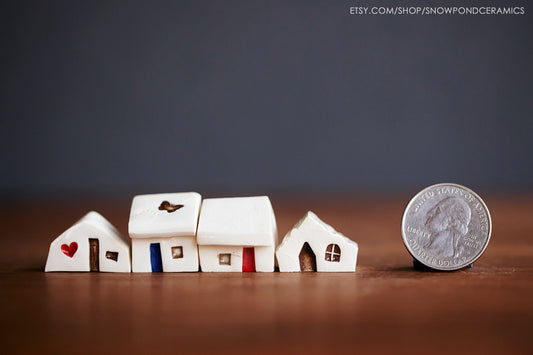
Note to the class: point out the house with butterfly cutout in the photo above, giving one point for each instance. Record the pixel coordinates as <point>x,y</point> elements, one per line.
<point>91,244</point>
<point>313,245</point>
<point>162,228</point>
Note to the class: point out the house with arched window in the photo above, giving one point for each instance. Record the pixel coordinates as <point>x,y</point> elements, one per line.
<point>312,245</point>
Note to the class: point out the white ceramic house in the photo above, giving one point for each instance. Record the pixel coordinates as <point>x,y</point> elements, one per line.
<point>162,228</point>
<point>313,245</point>
<point>91,244</point>
<point>237,234</point>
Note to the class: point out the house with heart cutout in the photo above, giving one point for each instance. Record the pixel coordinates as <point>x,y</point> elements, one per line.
<point>91,244</point>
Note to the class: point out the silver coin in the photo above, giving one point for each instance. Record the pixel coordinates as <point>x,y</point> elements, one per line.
<point>446,226</point>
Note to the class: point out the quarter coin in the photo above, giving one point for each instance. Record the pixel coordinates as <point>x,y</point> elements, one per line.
<point>446,226</point>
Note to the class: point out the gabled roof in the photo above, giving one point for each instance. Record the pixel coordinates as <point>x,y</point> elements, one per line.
<point>246,221</point>
<point>96,220</point>
<point>150,219</point>
<point>311,223</point>
<point>321,238</point>
<point>77,236</point>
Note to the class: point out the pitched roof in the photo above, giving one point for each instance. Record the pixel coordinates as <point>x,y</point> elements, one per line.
<point>312,222</point>
<point>237,221</point>
<point>96,220</point>
<point>152,216</point>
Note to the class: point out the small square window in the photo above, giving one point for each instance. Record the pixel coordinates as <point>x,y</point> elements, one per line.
<point>224,259</point>
<point>111,255</point>
<point>177,252</point>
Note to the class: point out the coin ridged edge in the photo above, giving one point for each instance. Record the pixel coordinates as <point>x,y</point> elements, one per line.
<point>486,209</point>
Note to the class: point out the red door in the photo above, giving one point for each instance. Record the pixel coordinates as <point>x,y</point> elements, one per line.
<point>248,259</point>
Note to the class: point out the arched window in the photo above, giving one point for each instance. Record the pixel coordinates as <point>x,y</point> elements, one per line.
<point>333,253</point>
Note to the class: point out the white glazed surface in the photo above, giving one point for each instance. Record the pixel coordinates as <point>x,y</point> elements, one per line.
<point>264,258</point>
<point>209,258</point>
<point>141,254</point>
<point>319,235</point>
<point>237,221</point>
<point>148,221</point>
<point>92,225</point>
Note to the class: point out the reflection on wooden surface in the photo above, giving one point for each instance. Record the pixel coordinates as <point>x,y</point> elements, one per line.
<point>386,306</point>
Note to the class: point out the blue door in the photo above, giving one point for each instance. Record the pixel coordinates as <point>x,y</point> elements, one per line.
<point>155,257</point>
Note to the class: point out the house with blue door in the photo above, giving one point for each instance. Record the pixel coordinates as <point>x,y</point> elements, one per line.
<point>162,228</point>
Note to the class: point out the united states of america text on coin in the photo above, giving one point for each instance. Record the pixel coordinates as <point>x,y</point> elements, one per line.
<point>446,226</point>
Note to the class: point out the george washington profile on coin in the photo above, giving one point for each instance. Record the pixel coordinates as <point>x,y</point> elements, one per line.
<point>446,226</point>
<point>448,223</point>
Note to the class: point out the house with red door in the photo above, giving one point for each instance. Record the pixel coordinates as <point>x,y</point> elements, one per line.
<point>237,234</point>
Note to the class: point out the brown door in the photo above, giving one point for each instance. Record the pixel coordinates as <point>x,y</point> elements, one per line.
<point>307,258</point>
<point>94,249</point>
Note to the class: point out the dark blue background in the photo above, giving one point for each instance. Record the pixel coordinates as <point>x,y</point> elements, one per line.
<point>259,96</point>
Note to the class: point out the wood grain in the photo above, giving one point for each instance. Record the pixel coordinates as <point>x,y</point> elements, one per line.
<point>385,307</point>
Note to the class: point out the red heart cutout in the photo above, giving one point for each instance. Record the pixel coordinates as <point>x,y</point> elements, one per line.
<point>69,250</point>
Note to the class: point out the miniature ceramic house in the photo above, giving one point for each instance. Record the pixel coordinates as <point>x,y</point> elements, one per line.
<point>237,234</point>
<point>162,228</point>
<point>312,245</point>
<point>91,244</point>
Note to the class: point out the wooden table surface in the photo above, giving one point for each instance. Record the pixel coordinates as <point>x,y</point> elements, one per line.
<point>384,307</point>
